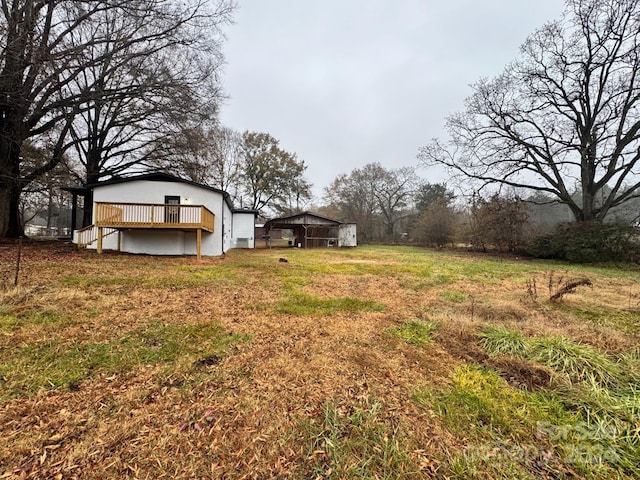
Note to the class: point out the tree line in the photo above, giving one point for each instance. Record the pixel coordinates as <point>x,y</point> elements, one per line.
<point>92,90</point>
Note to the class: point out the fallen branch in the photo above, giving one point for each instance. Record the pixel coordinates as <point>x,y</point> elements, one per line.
<point>570,287</point>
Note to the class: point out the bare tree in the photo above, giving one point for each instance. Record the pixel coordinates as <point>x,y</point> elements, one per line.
<point>58,62</point>
<point>567,113</point>
<point>499,221</point>
<point>428,194</point>
<point>207,154</point>
<point>374,197</point>
<point>394,191</point>
<point>352,195</point>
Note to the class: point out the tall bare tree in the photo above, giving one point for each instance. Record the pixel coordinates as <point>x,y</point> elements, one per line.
<point>58,63</point>
<point>566,113</point>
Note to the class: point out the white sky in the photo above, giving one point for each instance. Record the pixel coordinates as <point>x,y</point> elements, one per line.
<point>345,83</point>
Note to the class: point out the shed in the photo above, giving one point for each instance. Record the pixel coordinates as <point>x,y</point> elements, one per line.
<point>312,230</point>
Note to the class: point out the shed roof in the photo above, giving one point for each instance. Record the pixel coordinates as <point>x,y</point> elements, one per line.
<point>304,218</point>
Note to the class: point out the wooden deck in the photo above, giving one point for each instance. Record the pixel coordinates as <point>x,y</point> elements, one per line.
<point>114,217</point>
<point>154,216</point>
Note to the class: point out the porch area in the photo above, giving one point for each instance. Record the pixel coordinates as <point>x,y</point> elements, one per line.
<point>113,218</point>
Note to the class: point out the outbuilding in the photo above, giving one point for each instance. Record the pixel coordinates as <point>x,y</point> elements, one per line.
<point>312,230</point>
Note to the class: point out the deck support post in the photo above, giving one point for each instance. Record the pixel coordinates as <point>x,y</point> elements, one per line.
<point>99,239</point>
<point>119,239</point>
<point>198,242</point>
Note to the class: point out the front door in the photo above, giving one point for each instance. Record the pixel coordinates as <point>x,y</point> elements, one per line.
<point>171,214</point>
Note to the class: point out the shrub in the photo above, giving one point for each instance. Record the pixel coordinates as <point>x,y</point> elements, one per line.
<point>436,226</point>
<point>588,242</point>
<point>498,222</point>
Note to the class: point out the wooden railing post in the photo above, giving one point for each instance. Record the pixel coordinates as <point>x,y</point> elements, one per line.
<point>198,242</point>
<point>99,239</point>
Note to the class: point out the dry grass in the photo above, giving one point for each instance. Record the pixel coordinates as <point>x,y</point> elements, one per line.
<point>247,367</point>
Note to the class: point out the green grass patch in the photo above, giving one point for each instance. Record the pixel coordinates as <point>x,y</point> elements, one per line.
<point>575,361</point>
<point>513,433</point>
<point>34,318</point>
<point>481,403</point>
<point>455,297</point>
<point>55,364</point>
<point>570,360</point>
<point>415,332</point>
<point>601,392</point>
<point>299,303</point>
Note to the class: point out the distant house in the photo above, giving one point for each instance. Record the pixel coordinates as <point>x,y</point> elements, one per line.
<point>160,214</point>
<point>311,230</point>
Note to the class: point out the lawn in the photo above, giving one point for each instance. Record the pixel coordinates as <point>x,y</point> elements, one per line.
<point>373,362</point>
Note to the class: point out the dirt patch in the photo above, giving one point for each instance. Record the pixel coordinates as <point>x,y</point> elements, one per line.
<point>520,373</point>
<point>462,345</point>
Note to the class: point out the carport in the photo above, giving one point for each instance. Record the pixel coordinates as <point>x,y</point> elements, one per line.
<point>311,230</point>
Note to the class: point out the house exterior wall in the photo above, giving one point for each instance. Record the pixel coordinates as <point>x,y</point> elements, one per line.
<point>243,230</point>
<point>347,235</point>
<point>159,242</point>
<point>228,228</point>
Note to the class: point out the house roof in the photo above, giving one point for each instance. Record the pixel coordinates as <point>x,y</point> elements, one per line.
<point>159,177</point>
<point>154,177</point>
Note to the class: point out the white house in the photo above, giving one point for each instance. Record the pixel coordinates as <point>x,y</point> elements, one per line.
<point>160,214</point>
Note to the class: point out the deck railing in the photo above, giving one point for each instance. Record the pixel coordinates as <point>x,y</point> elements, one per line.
<point>147,215</point>
<point>88,235</point>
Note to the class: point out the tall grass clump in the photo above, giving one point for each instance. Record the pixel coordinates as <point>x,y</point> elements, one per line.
<point>575,361</point>
<point>501,341</point>
<point>611,421</point>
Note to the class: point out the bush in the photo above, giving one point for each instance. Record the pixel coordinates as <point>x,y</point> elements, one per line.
<point>436,226</point>
<point>498,222</point>
<point>589,242</point>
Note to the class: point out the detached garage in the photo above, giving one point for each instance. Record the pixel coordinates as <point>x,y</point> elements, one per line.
<point>311,230</point>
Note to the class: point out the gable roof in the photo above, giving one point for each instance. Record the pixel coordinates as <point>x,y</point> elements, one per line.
<point>154,177</point>
<point>166,177</point>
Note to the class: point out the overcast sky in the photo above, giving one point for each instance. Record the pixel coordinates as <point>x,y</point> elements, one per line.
<point>343,83</point>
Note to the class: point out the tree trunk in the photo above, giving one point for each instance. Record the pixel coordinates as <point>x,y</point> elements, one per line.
<point>10,222</point>
<point>10,189</point>
<point>87,210</point>
<point>93,176</point>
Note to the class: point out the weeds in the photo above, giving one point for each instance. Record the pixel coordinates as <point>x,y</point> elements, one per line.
<point>355,443</point>
<point>559,286</point>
